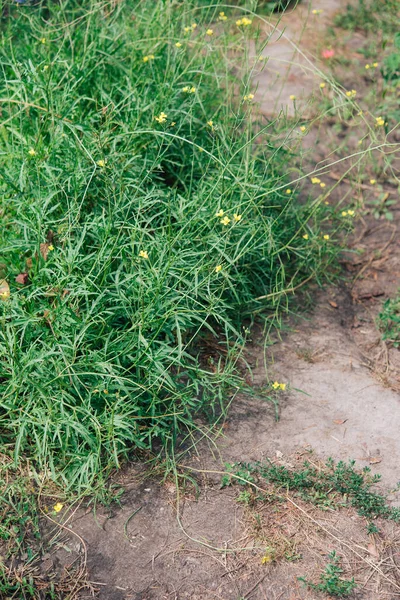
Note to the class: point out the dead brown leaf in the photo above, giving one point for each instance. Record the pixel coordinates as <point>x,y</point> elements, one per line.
<point>44,250</point>
<point>374,460</point>
<point>22,278</point>
<point>373,550</point>
<point>333,304</point>
<point>4,290</point>
<point>340,421</point>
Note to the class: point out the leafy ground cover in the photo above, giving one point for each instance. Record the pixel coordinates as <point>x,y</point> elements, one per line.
<point>148,212</point>
<point>144,206</point>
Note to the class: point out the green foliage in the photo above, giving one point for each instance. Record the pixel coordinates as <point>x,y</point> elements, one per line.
<point>109,220</point>
<point>391,63</point>
<point>389,321</point>
<point>330,581</point>
<point>370,15</point>
<point>337,485</point>
<point>372,528</point>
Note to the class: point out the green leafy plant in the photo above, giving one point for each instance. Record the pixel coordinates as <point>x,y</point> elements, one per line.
<point>338,484</point>
<point>142,221</point>
<point>370,15</point>
<point>389,321</point>
<point>330,581</point>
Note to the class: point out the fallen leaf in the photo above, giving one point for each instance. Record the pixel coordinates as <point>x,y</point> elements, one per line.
<point>340,421</point>
<point>22,278</point>
<point>4,290</point>
<point>373,550</point>
<point>29,263</point>
<point>44,250</point>
<point>374,460</point>
<point>333,304</point>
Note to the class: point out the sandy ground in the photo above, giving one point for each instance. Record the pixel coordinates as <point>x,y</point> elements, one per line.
<point>342,402</point>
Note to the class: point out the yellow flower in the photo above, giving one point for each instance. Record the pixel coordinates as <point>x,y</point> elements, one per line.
<point>305,236</point>
<point>187,29</point>
<point>344,213</point>
<point>101,163</point>
<point>50,247</point>
<point>316,12</point>
<point>248,97</point>
<point>288,191</point>
<point>326,237</point>
<point>148,57</point>
<point>360,142</point>
<point>178,44</point>
<point>260,58</point>
<point>244,21</point>
<point>225,221</point>
<point>45,67</point>
<point>162,117</point>
<point>367,66</point>
<point>210,124</point>
<point>322,184</point>
<point>292,97</point>
<point>351,213</point>
<point>322,85</point>
<point>58,507</point>
<point>303,128</point>
<point>315,180</point>
<point>218,268</point>
<point>372,181</point>
<point>186,89</point>
<point>32,152</point>
<point>209,32</point>
<point>266,559</point>
<point>275,385</point>
<point>237,217</point>
<point>379,122</point>
<point>220,213</point>
<point>282,386</point>
<point>193,26</point>
<point>105,392</point>
<point>375,64</point>
<point>43,40</point>
<point>326,202</point>
<point>143,254</point>
<point>351,94</point>
<point>222,16</point>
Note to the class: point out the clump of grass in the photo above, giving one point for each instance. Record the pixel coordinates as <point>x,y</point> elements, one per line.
<point>389,321</point>
<point>370,15</point>
<point>140,213</point>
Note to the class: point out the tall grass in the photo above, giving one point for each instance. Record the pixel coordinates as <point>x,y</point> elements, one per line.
<point>109,223</point>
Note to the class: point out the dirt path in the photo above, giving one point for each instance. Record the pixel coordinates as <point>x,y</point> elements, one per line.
<point>348,408</point>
